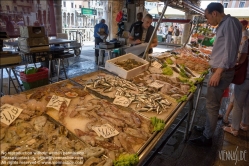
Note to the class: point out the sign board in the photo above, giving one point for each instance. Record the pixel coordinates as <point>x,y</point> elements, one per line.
<point>9,113</point>
<point>56,101</point>
<point>87,11</point>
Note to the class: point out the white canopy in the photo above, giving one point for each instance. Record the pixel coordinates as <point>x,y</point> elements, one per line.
<point>237,12</point>
<point>170,12</point>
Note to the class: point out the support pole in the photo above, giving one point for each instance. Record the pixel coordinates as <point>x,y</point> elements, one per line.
<point>191,32</point>
<point>145,56</point>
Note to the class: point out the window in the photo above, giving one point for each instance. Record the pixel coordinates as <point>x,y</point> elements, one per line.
<point>15,8</point>
<point>75,6</point>
<point>71,5</point>
<point>225,5</point>
<point>241,4</point>
<point>8,7</point>
<point>14,1</point>
<point>64,4</point>
<point>80,6</point>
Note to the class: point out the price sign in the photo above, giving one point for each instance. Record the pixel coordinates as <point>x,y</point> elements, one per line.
<point>56,101</point>
<point>105,130</point>
<point>121,100</point>
<point>156,65</point>
<point>9,113</point>
<point>156,84</point>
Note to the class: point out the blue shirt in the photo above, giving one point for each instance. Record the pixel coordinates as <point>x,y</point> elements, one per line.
<point>100,25</point>
<point>227,42</point>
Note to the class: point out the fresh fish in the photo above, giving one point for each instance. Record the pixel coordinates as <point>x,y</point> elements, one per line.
<point>175,69</point>
<point>189,71</point>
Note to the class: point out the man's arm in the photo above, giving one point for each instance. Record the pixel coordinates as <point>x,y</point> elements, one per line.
<point>154,42</point>
<point>131,38</point>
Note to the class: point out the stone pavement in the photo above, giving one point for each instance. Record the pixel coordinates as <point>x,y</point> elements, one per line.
<point>176,152</point>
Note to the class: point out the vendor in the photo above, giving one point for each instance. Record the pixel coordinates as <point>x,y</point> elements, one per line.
<point>141,33</point>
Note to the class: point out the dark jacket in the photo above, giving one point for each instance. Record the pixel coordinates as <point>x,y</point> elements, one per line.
<point>135,23</point>
<point>138,32</point>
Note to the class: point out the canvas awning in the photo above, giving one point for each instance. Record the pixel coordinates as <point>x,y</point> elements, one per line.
<point>237,12</point>
<point>170,12</point>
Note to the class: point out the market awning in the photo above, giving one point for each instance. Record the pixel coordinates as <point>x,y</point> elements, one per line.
<point>237,12</point>
<point>180,21</point>
<point>170,12</point>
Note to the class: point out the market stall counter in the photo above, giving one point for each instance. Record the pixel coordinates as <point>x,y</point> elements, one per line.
<point>123,118</point>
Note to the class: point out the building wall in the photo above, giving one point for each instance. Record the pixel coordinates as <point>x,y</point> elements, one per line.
<point>234,3</point>
<point>71,11</point>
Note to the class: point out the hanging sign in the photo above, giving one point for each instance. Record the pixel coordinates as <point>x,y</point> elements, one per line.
<point>87,11</point>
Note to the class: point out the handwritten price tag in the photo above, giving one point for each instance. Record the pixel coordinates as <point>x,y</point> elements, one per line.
<point>56,101</point>
<point>121,100</point>
<point>105,130</point>
<point>156,65</point>
<point>9,113</point>
<point>156,84</point>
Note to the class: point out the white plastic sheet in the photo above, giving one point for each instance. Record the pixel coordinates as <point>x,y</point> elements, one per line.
<point>137,49</point>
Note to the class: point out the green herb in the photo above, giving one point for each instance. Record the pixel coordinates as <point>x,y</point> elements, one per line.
<point>169,61</point>
<point>157,123</point>
<point>198,80</point>
<point>164,65</point>
<point>182,99</point>
<point>192,89</point>
<point>167,71</point>
<point>205,72</point>
<point>127,160</point>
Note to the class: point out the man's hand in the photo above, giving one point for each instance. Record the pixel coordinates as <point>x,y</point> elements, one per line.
<point>137,41</point>
<point>215,78</point>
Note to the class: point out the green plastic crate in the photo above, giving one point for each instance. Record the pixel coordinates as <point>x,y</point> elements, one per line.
<point>35,84</point>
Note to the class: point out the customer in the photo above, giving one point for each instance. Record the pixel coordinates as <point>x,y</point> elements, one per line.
<point>222,62</point>
<point>240,116</point>
<point>176,31</point>
<point>139,21</point>
<point>98,40</point>
<point>141,33</point>
<point>170,32</point>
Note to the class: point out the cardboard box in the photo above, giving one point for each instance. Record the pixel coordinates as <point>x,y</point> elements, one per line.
<point>30,42</point>
<point>9,58</point>
<point>32,31</point>
<point>112,67</point>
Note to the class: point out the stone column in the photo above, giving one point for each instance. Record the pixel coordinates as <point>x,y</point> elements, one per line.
<point>105,10</point>
<point>114,7</point>
<point>131,16</point>
<point>58,16</point>
<point>187,28</point>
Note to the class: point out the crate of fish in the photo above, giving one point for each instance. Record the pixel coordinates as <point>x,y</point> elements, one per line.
<point>127,66</point>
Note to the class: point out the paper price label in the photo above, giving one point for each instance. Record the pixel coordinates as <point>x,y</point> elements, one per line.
<point>156,65</point>
<point>9,113</point>
<point>121,100</point>
<point>56,101</point>
<point>156,84</point>
<point>105,130</point>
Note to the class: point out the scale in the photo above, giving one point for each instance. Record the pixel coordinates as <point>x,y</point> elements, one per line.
<point>103,36</point>
<point>7,57</point>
